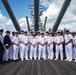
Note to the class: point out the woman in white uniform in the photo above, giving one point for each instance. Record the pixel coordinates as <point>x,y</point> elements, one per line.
<point>24,41</point>
<point>16,43</point>
<point>42,49</point>
<point>33,49</point>
<point>50,47</point>
<point>74,44</point>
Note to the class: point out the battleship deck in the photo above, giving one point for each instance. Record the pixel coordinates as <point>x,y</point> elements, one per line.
<point>38,67</point>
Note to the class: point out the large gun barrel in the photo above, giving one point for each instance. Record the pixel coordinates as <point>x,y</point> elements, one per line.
<point>61,14</point>
<point>36,15</point>
<point>28,23</point>
<point>11,14</point>
<point>45,24</point>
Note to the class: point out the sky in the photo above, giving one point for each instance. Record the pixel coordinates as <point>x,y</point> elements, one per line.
<point>52,9</point>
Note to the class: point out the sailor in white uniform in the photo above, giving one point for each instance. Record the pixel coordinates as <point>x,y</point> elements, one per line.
<point>42,50</point>
<point>16,43</point>
<point>24,41</point>
<point>74,48</point>
<point>68,45</point>
<point>46,45</point>
<point>50,46</point>
<point>33,50</point>
<point>20,37</point>
<point>37,38</point>
<point>55,37</point>
<point>59,46</point>
<point>30,39</point>
<point>11,47</point>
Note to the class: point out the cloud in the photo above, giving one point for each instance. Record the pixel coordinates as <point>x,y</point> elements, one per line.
<point>7,24</point>
<point>23,23</point>
<point>52,13</point>
<point>71,26</point>
<point>3,19</point>
<point>45,2</point>
<point>53,9</point>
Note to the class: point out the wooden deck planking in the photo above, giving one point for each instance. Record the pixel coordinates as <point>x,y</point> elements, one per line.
<point>38,67</point>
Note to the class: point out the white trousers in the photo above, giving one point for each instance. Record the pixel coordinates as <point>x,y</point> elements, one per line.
<point>42,51</point>
<point>37,47</point>
<point>59,49</point>
<point>33,52</point>
<point>74,48</point>
<point>15,52</point>
<point>50,52</point>
<point>11,52</point>
<point>22,52</point>
<point>73,52</point>
<point>68,50</point>
<point>26,52</point>
<point>6,54</point>
<point>20,49</point>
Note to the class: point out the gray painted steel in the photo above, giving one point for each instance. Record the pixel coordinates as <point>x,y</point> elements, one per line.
<point>36,15</point>
<point>45,24</point>
<point>28,23</point>
<point>11,14</point>
<point>61,14</point>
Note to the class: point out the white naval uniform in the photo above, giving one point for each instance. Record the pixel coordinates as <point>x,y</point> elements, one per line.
<point>24,51</point>
<point>59,48</point>
<point>55,38</point>
<point>46,46</point>
<point>42,49</point>
<point>50,48</point>
<point>37,46</point>
<point>20,47</point>
<point>68,47</point>
<point>74,48</point>
<point>11,49</point>
<point>15,47</point>
<point>33,50</point>
<point>29,45</point>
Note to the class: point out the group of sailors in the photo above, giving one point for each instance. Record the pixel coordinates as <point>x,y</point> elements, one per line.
<point>36,47</point>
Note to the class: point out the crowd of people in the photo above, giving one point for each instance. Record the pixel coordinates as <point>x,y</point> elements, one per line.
<point>44,46</point>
